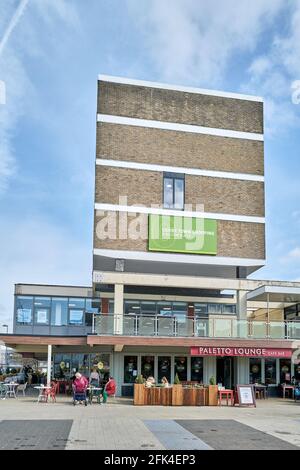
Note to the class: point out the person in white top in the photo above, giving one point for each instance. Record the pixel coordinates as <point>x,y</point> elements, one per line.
<point>94,378</point>
<point>165,382</point>
<point>150,382</point>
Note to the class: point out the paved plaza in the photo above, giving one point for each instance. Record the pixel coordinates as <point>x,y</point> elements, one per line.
<point>118,425</point>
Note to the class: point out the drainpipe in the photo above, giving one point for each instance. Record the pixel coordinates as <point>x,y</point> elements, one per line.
<point>49,365</point>
<point>268,315</point>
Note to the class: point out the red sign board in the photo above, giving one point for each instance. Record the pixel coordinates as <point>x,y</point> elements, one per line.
<point>240,351</point>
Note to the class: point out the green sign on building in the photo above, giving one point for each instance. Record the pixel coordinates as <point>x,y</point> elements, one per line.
<point>182,234</point>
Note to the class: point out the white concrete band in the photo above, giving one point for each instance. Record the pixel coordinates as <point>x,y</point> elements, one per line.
<point>170,126</point>
<point>159,211</point>
<point>178,169</point>
<point>165,86</point>
<point>178,258</point>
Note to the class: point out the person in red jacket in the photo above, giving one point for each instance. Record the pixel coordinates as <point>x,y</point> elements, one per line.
<point>109,389</point>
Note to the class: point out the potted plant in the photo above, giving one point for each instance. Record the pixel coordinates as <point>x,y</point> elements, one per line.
<point>177,392</point>
<point>212,392</point>
<point>139,391</point>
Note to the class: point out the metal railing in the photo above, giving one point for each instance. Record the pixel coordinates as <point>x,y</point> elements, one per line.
<point>208,327</point>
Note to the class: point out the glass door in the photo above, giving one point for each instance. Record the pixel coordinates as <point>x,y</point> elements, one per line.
<point>163,368</point>
<point>224,372</point>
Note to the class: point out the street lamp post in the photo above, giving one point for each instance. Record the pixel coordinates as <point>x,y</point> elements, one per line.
<point>6,355</point>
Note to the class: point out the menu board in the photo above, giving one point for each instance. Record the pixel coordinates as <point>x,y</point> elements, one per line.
<point>246,395</point>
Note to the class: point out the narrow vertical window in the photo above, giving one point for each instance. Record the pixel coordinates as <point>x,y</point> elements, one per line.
<point>173,191</point>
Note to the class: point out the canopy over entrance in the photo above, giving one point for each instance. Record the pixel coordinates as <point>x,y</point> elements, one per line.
<point>275,294</point>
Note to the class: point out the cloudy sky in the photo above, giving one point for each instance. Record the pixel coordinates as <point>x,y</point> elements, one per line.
<point>51,52</point>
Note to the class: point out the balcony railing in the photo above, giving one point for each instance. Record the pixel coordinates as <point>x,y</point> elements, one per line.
<point>209,327</point>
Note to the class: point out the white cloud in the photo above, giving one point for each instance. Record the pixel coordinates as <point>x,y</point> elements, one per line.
<point>21,23</point>
<point>37,252</point>
<point>272,75</point>
<point>194,41</point>
<point>295,253</point>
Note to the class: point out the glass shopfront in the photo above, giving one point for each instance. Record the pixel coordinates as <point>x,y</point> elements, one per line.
<point>255,370</point>
<point>180,368</point>
<point>24,309</point>
<point>271,371</point>
<point>147,366</point>
<point>177,309</point>
<point>197,369</point>
<point>56,311</point>
<point>159,366</point>
<point>285,370</point>
<point>130,369</point>
<point>164,368</point>
<point>66,365</point>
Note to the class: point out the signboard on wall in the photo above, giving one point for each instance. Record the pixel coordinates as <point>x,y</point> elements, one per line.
<point>179,234</point>
<point>240,351</point>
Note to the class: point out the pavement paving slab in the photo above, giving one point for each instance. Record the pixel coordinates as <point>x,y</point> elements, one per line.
<point>34,434</point>
<point>231,435</point>
<point>175,437</point>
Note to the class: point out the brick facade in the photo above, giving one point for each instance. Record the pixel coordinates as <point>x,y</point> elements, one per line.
<point>235,239</point>
<point>182,149</point>
<point>225,196</point>
<point>179,107</point>
<point>163,147</point>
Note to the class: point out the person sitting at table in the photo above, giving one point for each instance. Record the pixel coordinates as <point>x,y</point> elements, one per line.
<point>109,389</point>
<point>94,378</point>
<point>165,382</point>
<point>80,383</point>
<point>150,382</point>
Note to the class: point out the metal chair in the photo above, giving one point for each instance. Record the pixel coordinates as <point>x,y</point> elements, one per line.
<point>2,392</point>
<point>22,388</point>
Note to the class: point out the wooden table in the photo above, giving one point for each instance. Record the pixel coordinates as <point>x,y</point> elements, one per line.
<point>289,388</point>
<point>261,389</point>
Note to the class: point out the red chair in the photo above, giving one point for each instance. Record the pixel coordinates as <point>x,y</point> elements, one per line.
<point>52,391</point>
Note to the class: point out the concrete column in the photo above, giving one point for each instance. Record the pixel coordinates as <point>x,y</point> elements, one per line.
<point>242,370</point>
<point>209,368</point>
<point>118,309</point>
<point>118,371</point>
<point>49,358</point>
<point>241,312</point>
<point>241,304</point>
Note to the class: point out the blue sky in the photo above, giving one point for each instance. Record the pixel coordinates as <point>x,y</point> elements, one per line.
<point>51,52</point>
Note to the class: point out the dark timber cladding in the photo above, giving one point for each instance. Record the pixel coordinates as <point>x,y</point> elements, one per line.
<point>180,107</point>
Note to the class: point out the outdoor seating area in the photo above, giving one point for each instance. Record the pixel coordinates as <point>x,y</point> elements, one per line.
<point>10,389</point>
<point>192,393</point>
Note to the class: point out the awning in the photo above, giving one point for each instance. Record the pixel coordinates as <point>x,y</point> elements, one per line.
<point>275,294</point>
